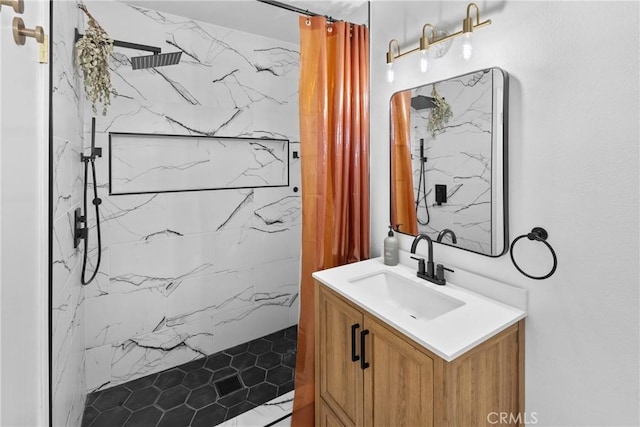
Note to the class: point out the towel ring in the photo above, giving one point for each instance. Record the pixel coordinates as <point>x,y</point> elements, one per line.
<point>541,235</point>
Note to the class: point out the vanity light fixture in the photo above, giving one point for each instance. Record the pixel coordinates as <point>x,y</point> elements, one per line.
<point>425,42</point>
<point>424,47</point>
<point>390,58</point>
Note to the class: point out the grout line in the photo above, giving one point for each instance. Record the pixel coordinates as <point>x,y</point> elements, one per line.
<point>278,420</point>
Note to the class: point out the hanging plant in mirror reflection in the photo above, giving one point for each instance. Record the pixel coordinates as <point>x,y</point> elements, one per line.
<point>439,115</point>
<point>92,56</point>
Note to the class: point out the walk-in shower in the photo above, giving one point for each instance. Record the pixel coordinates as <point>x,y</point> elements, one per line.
<point>422,102</point>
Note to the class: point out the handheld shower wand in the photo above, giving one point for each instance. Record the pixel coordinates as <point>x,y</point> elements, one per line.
<point>81,221</point>
<point>422,186</point>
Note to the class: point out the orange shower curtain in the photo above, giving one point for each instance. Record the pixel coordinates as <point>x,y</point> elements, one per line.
<point>334,151</point>
<point>403,207</point>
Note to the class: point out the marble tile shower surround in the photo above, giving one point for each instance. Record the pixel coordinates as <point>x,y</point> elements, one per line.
<point>463,164</point>
<point>183,274</point>
<point>68,295</point>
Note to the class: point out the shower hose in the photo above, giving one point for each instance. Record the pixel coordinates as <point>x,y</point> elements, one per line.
<point>422,185</point>
<point>96,202</point>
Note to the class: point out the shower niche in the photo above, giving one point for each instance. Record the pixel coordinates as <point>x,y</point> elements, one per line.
<point>155,163</point>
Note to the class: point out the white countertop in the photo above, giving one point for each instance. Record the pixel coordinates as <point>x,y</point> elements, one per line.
<point>449,335</point>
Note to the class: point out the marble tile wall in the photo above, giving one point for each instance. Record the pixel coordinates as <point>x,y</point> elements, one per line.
<point>68,296</point>
<point>459,156</point>
<point>144,163</point>
<point>183,274</point>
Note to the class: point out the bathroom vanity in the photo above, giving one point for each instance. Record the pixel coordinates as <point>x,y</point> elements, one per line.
<point>395,350</point>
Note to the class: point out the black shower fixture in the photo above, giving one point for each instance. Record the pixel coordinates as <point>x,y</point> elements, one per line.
<point>158,59</point>
<point>422,102</point>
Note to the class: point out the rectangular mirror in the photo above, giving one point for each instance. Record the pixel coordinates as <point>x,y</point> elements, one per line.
<point>449,161</point>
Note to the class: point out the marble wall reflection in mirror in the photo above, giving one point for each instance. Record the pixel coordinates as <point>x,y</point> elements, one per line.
<point>450,182</point>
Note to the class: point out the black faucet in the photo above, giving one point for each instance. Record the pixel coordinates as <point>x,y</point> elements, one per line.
<point>444,232</point>
<point>427,274</point>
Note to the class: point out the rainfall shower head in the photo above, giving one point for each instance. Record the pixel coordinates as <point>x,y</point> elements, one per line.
<point>155,60</point>
<point>422,102</point>
<point>158,59</point>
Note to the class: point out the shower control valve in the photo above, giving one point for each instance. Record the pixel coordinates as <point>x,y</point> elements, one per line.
<point>80,231</point>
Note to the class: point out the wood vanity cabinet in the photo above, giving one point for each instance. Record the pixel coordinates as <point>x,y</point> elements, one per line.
<point>368,374</point>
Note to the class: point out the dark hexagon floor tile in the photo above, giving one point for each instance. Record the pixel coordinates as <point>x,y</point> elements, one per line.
<point>269,360</point>
<point>218,361</point>
<point>292,333</point>
<point>279,375</point>
<point>91,397</point>
<point>253,376</point>
<point>289,359</point>
<point>223,373</point>
<point>193,365</point>
<point>262,393</point>
<point>284,346</point>
<point>243,361</point>
<point>202,396</point>
<point>173,397</point>
<point>146,417</point>
<point>274,336</point>
<point>114,417</point>
<point>286,388</point>
<point>240,409</point>
<point>234,398</point>
<point>169,379</point>
<point>179,417</point>
<point>209,416</point>
<point>89,416</point>
<point>259,346</point>
<point>141,398</point>
<point>141,382</point>
<point>111,398</point>
<point>197,378</point>
<point>240,348</point>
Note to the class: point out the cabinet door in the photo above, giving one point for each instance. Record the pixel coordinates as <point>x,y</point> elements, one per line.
<point>327,417</point>
<point>340,377</point>
<point>398,384</point>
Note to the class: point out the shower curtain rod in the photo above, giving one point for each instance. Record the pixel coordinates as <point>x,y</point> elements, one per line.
<point>286,6</point>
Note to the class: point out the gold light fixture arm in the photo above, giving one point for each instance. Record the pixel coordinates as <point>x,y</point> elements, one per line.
<point>20,32</point>
<point>390,55</point>
<point>17,5</point>
<point>424,40</point>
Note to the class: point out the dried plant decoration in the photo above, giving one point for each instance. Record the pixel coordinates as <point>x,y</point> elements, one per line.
<point>92,56</point>
<point>439,115</point>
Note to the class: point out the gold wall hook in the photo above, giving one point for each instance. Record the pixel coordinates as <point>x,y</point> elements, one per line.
<point>20,33</point>
<point>17,5</point>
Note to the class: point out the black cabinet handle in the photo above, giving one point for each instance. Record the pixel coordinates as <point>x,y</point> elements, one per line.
<point>363,363</point>
<point>354,356</point>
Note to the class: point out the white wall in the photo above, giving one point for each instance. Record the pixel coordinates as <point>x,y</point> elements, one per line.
<point>573,154</point>
<point>23,223</point>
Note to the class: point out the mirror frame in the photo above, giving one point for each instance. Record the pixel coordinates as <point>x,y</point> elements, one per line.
<point>505,160</point>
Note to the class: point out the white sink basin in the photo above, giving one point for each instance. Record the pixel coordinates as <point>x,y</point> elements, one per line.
<point>413,298</point>
<point>447,320</point>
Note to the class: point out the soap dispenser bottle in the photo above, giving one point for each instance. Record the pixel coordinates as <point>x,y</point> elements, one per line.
<point>391,246</point>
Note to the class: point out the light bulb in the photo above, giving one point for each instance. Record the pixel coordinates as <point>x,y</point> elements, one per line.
<point>390,72</point>
<point>467,47</point>
<point>424,61</point>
